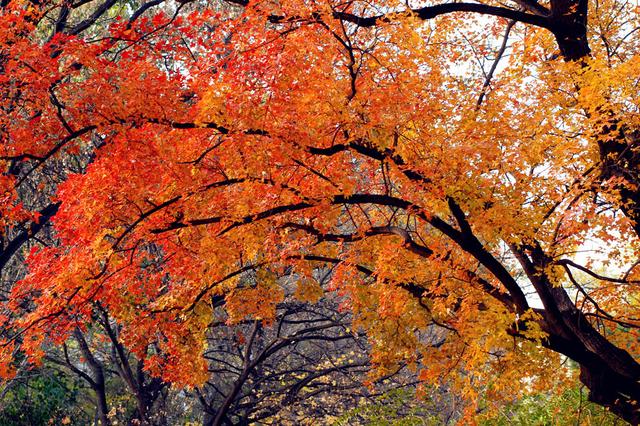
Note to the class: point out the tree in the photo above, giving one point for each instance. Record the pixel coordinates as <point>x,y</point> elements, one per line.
<point>96,356</point>
<point>307,368</point>
<point>449,161</point>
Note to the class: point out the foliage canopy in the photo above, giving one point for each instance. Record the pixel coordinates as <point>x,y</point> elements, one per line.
<point>468,171</point>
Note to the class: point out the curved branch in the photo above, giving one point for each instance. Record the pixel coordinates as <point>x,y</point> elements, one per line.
<point>409,243</point>
<point>83,25</point>
<point>379,199</point>
<point>142,9</point>
<point>566,263</point>
<point>465,238</point>
<point>415,289</point>
<point>17,242</point>
<point>430,12</point>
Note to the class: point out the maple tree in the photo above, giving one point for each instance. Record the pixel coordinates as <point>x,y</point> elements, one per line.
<point>450,162</point>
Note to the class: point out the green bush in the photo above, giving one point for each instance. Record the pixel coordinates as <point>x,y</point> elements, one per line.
<point>47,398</point>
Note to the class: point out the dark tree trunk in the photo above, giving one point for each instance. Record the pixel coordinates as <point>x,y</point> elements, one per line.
<point>619,148</point>
<point>610,373</point>
<point>103,409</point>
<point>609,389</point>
<point>98,381</point>
<point>613,382</point>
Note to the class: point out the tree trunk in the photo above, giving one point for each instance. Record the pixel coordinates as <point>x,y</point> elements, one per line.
<point>609,389</point>
<point>103,410</point>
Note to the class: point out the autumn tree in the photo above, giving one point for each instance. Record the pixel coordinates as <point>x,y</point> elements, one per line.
<point>96,358</point>
<point>471,167</point>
